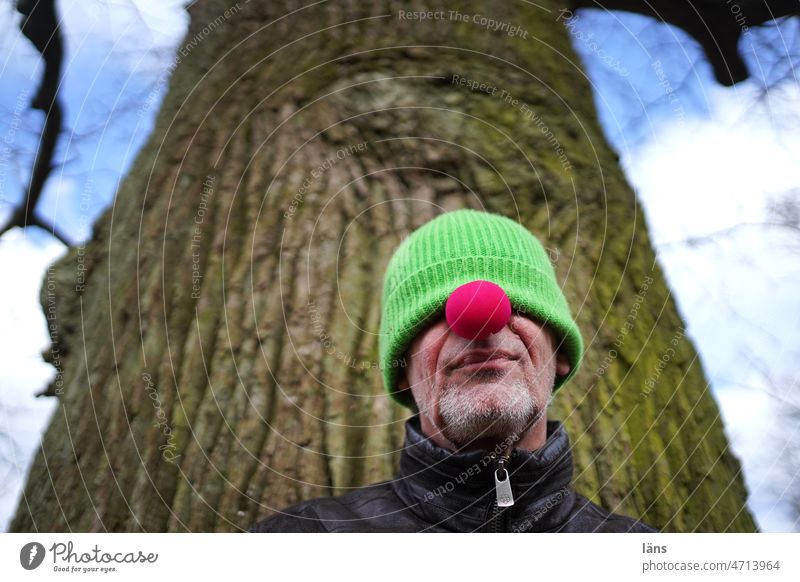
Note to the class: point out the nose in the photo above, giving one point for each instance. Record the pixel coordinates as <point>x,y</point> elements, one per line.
<point>477,309</point>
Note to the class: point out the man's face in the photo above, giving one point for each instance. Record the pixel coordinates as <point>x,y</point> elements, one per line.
<point>476,391</point>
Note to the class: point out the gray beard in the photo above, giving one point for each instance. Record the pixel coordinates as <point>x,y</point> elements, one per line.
<point>469,417</point>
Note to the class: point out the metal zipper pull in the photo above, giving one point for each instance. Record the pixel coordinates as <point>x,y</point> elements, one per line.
<point>502,484</point>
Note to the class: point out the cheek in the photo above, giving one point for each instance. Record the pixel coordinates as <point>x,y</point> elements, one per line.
<point>422,375</point>
<point>424,363</point>
<point>430,368</point>
<point>431,343</point>
<point>422,367</point>
<point>537,344</point>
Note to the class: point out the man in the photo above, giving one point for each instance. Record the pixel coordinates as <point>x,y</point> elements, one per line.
<point>471,303</point>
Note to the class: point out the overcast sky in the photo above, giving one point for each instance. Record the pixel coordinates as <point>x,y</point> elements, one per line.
<point>701,157</point>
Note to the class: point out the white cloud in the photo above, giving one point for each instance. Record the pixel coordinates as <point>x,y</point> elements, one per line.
<point>737,292</point>
<point>708,174</point>
<point>22,416</point>
<point>749,415</point>
<point>132,24</point>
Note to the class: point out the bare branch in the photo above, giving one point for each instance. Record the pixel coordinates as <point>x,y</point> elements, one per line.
<point>40,25</point>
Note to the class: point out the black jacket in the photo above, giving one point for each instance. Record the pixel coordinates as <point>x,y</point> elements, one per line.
<point>437,490</point>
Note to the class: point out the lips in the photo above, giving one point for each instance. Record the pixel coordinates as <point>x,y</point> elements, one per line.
<point>495,357</point>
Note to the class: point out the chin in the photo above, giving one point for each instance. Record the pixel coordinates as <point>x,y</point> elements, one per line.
<point>489,410</point>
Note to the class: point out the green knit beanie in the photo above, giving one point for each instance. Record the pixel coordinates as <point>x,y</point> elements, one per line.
<point>456,248</point>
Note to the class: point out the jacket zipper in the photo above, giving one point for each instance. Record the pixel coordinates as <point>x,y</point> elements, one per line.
<point>497,519</point>
<point>502,485</point>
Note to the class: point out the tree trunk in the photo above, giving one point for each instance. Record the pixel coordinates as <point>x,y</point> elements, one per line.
<point>218,335</point>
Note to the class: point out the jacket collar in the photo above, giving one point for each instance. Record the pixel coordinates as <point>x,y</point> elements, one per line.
<point>456,490</point>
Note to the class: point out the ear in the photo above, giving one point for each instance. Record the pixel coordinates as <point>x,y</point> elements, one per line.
<point>562,364</point>
<point>404,390</point>
<point>402,382</point>
<point>402,376</point>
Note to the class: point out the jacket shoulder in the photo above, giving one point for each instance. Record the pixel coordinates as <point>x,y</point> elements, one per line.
<point>358,510</point>
<point>298,518</point>
<point>587,516</point>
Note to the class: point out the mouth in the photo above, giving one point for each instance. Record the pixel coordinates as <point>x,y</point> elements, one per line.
<point>483,359</point>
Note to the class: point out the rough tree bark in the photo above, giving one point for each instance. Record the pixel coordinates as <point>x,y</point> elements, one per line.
<point>218,336</point>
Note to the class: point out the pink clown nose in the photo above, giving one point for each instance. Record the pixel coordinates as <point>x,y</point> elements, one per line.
<point>477,309</point>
